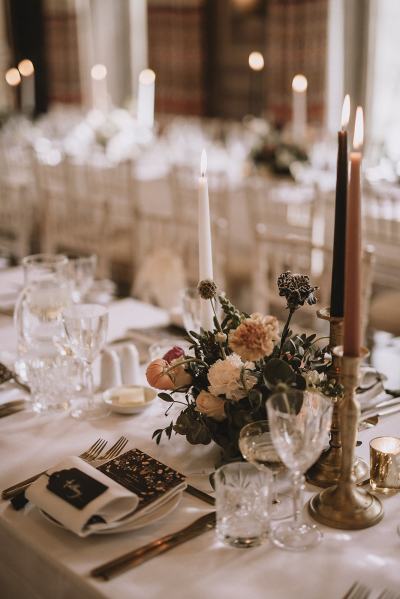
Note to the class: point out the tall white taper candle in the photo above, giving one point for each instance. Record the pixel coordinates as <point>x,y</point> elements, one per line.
<point>205,247</point>
<point>145,105</point>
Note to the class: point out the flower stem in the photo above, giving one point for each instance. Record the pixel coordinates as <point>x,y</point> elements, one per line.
<point>219,328</point>
<point>286,330</point>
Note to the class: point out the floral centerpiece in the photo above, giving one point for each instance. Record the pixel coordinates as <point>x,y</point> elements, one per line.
<point>223,382</point>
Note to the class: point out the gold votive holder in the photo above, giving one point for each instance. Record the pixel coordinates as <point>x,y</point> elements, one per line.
<point>344,505</point>
<point>385,464</point>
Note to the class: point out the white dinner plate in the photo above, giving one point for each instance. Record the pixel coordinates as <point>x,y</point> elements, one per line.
<point>115,406</point>
<point>132,522</point>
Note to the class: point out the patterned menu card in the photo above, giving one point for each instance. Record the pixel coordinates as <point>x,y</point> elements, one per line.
<point>143,475</point>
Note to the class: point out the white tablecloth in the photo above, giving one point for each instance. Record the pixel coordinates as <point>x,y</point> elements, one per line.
<point>38,560</point>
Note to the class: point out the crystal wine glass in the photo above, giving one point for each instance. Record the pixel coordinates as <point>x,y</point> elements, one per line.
<point>191,309</point>
<point>86,330</point>
<point>299,422</point>
<point>255,443</point>
<point>81,270</point>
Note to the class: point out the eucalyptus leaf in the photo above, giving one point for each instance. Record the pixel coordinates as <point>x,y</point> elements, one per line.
<point>277,371</point>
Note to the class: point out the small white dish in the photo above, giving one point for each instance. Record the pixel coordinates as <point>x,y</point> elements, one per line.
<point>111,398</point>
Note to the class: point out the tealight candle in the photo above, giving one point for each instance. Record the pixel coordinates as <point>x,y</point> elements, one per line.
<point>385,464</point>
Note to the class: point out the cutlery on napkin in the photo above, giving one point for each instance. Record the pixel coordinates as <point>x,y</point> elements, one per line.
<point>142,554</point>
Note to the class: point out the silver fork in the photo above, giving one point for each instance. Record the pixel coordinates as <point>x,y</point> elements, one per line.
<point>114,450</point>
<point>89,455</point>
<point>357,591</point>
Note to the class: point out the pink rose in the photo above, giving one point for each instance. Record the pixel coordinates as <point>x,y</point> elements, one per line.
<point>211,406</point>
<point>174,353</point>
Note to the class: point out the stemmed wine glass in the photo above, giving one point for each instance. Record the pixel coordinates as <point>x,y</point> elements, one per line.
<point>86,330</point>
<point>299,422</point>
<point>81,270</point>
<point>255,443</point>
<point>190,299</point>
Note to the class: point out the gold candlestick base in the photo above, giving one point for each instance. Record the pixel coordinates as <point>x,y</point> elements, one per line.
<point>344,505</point>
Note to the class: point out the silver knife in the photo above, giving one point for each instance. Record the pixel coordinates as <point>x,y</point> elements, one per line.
<point>143,554</point>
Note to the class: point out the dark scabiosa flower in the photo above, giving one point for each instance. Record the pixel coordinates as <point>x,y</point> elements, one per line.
<point>296,289</point>
<point>207,289</point>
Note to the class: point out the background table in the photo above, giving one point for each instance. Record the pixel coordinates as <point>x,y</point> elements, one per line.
<point>39,560</point>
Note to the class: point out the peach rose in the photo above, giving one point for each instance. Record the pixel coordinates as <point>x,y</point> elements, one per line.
<point>156,374</point>
<point>167,377</point>
<point>211,406</point>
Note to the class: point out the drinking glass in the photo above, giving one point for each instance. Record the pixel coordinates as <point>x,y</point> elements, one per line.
<point>38,267</point>
<point>53,379</point>
<point>81,270</point>
<point>86,330</point>
<point>39,307</point>
<point>255,443</point>
<point>299,422</point>
<point>191,309</point>
<point>243,495</point>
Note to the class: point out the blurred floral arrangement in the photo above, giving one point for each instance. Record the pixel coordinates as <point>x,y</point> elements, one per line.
<point>233,369</point>
<point>272,150</point>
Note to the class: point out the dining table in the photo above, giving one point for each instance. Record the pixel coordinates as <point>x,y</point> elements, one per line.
<point>39,560</point>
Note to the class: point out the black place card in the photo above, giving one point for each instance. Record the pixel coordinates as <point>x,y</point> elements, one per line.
<point>75,487</point>
<point>143,475</point>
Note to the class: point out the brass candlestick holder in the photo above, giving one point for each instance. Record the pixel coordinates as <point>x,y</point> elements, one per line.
<point>326,470</point>
<point>344,505</point>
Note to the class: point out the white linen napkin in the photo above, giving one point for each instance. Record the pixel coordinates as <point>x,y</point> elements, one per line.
<point>111,505</point>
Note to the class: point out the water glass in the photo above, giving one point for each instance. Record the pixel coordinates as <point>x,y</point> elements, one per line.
<point>53,379</point>
<point>243,499</point>
<point>39,267</point>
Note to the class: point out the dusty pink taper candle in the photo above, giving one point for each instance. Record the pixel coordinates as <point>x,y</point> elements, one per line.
<point>353,262</point>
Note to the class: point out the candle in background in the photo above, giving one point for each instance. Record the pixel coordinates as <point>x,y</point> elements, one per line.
<point>98,74</point>
<point>256,64</point>
<point>299,108</point>
<point>27,71</point>
<point>339,242</point>
<point>13,78</point>
<point>205,248</point>
<point>353,271</point>
<point>145,107</point>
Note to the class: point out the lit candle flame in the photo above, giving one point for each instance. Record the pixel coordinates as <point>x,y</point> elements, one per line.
<point>256,61</point>
<point>203,163</point>
<point>299,83</point>
<point>358,129</point>
<point>147,76</point>
<point>98,72</point>
<point>13,77</point>
<point>346,111</point>
<point>26,67</point>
